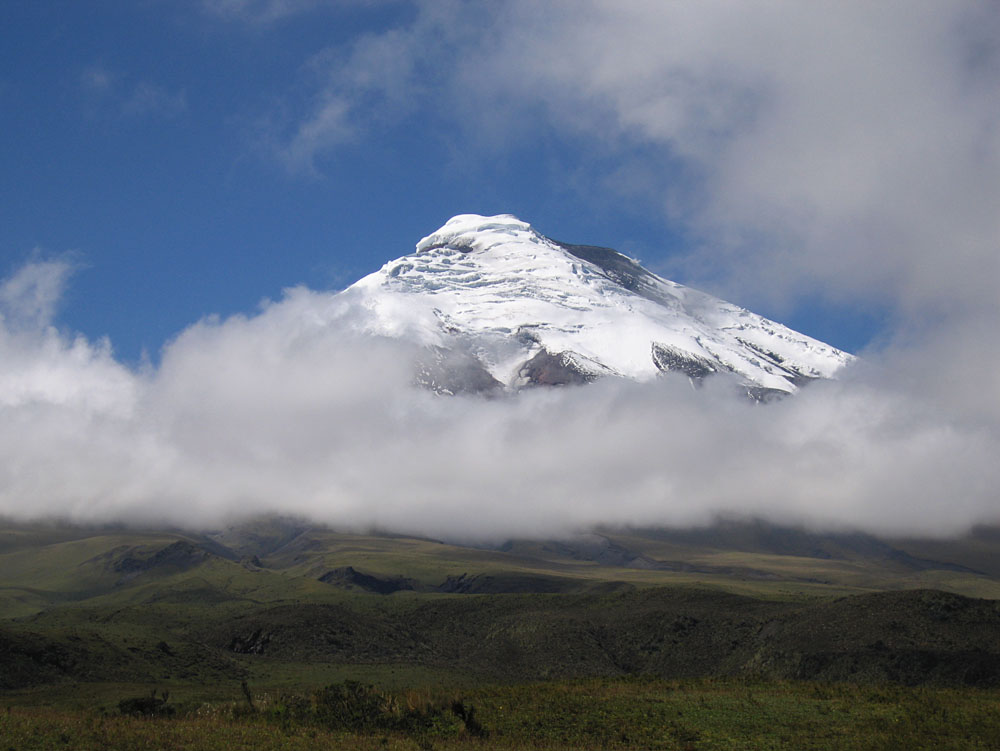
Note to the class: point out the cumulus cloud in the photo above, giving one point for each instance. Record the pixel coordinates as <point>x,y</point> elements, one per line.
<point>842,147</point>
<point>292,410</point>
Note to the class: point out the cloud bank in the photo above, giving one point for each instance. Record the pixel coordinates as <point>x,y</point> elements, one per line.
<point>291,410</point>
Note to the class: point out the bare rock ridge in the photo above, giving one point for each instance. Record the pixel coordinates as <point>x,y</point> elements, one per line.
<point>499,306</point>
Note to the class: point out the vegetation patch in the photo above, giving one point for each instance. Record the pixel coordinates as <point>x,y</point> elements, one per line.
<point>147,706</point>
<point>350,578</point>
<point>638,713</point>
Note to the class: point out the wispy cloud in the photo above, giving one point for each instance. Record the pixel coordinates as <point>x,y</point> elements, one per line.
<point>258,11</point>
<point>265,12</point>
<point>30,296</point>
<point>149,99</point>
<point>842,150</point>
<point>375,82</point>
<point>109,91</point>
<point>97,80</point>
<point>328,126</point>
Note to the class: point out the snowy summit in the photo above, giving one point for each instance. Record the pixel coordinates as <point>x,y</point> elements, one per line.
<point>500,305</point>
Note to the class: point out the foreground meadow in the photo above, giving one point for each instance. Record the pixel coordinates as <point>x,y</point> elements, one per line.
<point>632,713</point>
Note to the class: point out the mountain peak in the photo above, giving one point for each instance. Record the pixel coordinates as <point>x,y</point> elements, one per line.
<point>510,307</point>
<point>476,232</point>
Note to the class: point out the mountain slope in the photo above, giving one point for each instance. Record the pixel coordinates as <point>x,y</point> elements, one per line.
<point>501,305</point>
<point>318,605</point>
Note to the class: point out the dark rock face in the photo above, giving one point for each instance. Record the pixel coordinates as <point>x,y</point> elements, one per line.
<point>670,360</point>
<point>763,395</point>
<point>450,372</point>
<point>350,578</point>
<point>617,267</point>
<point>791,374</point>
<point>547,369</point>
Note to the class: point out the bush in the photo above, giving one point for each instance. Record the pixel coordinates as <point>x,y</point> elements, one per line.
<point>354,706</point>
<point>357,707</point>
<point>147,706</point>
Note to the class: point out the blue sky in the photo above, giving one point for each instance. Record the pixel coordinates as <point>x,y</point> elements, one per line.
<point>154,142</point>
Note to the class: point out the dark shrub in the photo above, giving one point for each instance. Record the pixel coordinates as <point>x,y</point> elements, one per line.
<point>147,705</point>
<point>362,708</point>
<point>354,706</point>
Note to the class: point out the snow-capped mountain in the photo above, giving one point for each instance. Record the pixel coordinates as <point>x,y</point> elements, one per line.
<point>498,305</point>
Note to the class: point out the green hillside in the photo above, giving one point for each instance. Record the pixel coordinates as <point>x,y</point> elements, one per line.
<point>279,602</point>
<point>273,610</point>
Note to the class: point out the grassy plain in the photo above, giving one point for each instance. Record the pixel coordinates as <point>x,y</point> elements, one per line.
<point>744,636</point>
<point>587,714</point>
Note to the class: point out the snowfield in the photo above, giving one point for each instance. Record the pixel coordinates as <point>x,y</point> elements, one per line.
<point>506,301</point>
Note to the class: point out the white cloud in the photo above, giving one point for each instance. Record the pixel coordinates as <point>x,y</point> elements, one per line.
<point>327,127</point>
<point>41,367</point>
<point>841,147</point>
<point>847,150</point>
<point>289,410</point>
<point>377,81</point>
<point>30,296</point>
<point>828,151</point>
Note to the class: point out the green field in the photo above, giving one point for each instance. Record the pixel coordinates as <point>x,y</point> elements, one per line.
<point>738,636</point>
<point>586,714</point>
